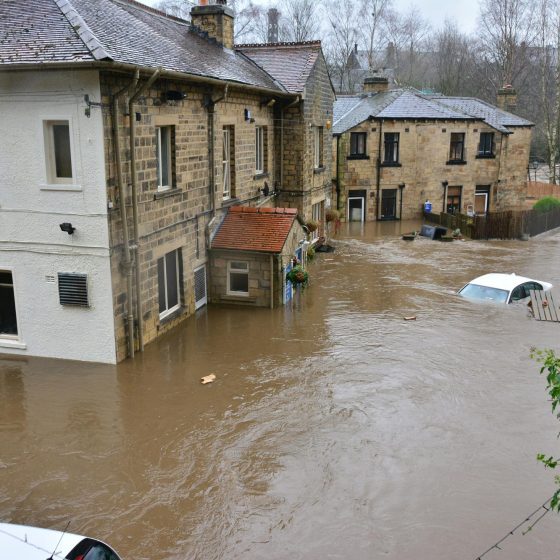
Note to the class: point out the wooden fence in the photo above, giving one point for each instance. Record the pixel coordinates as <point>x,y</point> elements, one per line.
<point>499,225</point>
<point>537,190</point>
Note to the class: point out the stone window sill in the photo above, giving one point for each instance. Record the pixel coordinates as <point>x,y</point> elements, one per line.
<point>456,162</point>
<point>391,164</point>
<point>166,193</point>
<point>238,299</point>
<point>12,343</point>
<point>357,156</point>
<point>171,316</point>
<point>60,187</point>
<point>262,175</point>
<point>486,156</point>
<point>318,170</point>
<point>226,202</point>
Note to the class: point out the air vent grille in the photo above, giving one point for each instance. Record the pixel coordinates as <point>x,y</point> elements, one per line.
<point>200,287</point>
<point>72,289</point>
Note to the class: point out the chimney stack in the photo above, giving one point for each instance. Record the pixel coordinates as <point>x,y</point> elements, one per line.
<point>507,98</point>
<point>216,20</point>
<point>376,84</point>
<point>272,35</point>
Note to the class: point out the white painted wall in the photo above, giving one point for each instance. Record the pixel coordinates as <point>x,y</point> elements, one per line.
<point>32,245</point>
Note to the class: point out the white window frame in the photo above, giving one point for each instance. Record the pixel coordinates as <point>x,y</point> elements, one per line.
<point>50,156</point>
<point>13,340</point>
<point>259,149</point>
<point>226,162</point>
<point>166,130</point>
<point>316,215</point>
<point>232,269</point>
<point>317,145</point>
<point>168,311</point>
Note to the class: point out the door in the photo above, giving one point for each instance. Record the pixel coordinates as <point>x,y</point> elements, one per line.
<point>200,297</point>
<point>355,209</point>
<point>481,199</point>
<point>389,204</point>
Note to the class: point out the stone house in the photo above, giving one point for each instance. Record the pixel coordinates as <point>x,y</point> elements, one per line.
<point>103,247</point>
<point>250,254</point>
<point>395,149</point>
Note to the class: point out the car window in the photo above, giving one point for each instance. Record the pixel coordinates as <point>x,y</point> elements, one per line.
<point>519,292</point>
<point>91,549</point>
<point>475,291</point>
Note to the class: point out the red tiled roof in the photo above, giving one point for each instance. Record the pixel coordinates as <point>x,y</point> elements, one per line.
<point>289,63</point>
<point>255,229</point>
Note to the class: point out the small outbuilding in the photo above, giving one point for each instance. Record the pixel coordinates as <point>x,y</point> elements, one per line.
<point>251,253</point>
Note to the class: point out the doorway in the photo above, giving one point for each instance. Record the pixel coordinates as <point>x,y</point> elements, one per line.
<point>388,204</point>
<point>356,205</point>
<point>481,200</point>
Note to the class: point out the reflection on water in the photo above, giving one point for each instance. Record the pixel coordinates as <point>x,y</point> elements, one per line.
<point>335,429</point>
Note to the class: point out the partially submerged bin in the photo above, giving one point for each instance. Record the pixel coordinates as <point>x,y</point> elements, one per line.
<point>433,232</point>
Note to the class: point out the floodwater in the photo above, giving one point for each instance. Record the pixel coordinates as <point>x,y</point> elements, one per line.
<point>335,429</point>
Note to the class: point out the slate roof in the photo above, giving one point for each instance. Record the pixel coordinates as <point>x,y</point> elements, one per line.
<point>350,111</point>
<point>290,63</point>
<point>47,31</point>
<point>255,229</point>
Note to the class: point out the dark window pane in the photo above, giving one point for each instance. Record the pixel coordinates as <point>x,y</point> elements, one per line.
<point>457,143</point>
<point>8,322</point>
<point>171,269</point>
<point>238,282</point>
<point>165,156</point>
<point>62,157</point>
<point>161,284</point>
<point>391,147</point>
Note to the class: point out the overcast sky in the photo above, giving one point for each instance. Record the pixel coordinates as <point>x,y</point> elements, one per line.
<point>435,11</point>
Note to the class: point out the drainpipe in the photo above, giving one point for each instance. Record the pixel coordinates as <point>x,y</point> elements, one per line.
<point>124,217</point>
<point>337,172</point>
<point>271,281</point>
<point>378,171</point>
<point>134,196</point>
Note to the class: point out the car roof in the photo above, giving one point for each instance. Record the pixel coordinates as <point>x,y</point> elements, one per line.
<point>502,281</point>
<point>32,543</point>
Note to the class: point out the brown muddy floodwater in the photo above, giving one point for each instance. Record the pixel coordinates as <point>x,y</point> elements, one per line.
<point>335,429</point>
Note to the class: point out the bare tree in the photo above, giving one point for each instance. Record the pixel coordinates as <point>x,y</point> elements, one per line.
<point>372,15</point>
<point>342,37</point>
<point>549,63</point>
<point>300,19</point>
<point>177,8</point>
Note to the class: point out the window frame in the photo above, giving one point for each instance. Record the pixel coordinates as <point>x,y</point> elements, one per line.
<point>389,148</point>
<point>453,147</point>
<point>49,150</point>
<point>232,270</point>
<point>170,310</point>
<point>318,145</point>
<point>13,340</point>
<point>483,151</point>
<point>358,144</point>
<point>169,131</point>
<point>317,215</point>
<point>260,165</point>
<point>454,197</point>
<point>228,162</point>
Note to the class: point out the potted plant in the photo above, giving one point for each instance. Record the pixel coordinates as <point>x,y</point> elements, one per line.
<point>298,276</point>
<point>312,225</point>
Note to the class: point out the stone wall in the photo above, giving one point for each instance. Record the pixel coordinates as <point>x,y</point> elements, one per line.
<point>177,218</point>
<point>424,166</point>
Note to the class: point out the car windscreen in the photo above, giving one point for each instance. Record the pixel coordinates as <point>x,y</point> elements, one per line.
<point>475,291</point>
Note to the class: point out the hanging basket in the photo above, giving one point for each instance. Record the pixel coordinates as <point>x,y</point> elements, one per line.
<point>312,225</point>
<point>297,276</point>
<point>331,215</point>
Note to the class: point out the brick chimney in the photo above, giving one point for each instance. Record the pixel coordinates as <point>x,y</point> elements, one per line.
<point>376,84</point>
<point>507,98</point>
<point>216,20</point>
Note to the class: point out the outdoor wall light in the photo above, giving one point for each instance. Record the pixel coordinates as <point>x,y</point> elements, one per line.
<point>444,184</point>
<point>67,227</point>
<point>402,185</point>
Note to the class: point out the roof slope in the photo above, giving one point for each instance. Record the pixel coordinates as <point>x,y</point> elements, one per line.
<point>122,30</point>
<point>290,63</point>
<point>255,229</point>
<point>350,111</point>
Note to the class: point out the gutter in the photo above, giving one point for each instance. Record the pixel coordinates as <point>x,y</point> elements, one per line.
<point>134,196</point>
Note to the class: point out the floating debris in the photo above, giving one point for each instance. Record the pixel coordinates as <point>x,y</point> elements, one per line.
<point>208,379</point>
<point>410,318</point>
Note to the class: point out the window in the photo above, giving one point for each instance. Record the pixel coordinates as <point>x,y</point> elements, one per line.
<point>164,148</point>
<point>457,147</point>
<point>318,147</point>
<point>358,143</point>
<point>58,148</point>
<point>453,200</point>
<point>391,147</point>
<point>228,162</point>
<point>169,283</point>
<point>317,216</point>
<point>486,145</point>
<point>238,278</point>
<point>261,153</point>
<point>8,320</point>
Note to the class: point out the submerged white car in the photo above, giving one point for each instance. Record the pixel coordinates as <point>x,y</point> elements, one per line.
<point>21,542</point>
<point>502,288</point>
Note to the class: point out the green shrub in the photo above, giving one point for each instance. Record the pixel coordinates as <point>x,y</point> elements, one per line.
<point>546,204</point>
